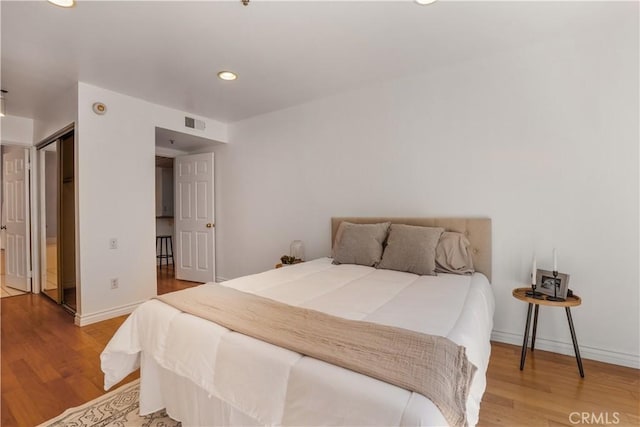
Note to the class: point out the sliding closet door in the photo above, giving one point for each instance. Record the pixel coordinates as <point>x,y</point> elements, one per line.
<point>66,222</point>
<point>49,236</point>
<point>57,223</point>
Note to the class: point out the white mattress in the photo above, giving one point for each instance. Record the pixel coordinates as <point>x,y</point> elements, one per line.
<point>273,386</point>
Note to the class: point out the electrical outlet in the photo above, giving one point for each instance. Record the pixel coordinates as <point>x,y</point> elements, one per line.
<point>113,243</point>
<point>114,283</point>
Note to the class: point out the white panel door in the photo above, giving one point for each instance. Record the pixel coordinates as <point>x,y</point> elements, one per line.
<point>194,218</point>
<point>16,216</point>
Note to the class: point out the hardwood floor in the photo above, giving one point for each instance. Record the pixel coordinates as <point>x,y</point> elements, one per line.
<point>550,392</point>
<point>166,282</point>
<point>48,365</point>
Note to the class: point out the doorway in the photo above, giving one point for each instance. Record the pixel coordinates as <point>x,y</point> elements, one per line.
<point>164,218</point>
<point>191,205</point>
<point>56,160</point>
<point>14,220</point>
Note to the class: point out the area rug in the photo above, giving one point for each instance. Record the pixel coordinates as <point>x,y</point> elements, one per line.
<point>118,408</point>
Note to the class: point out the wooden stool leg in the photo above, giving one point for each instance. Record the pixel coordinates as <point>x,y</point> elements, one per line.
<point>526,337</point>
<point>173,260</point>
<point>575,342</point>
<point>166,252</point>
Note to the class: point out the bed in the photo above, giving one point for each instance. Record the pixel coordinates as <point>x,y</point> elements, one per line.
<point>204,374</point>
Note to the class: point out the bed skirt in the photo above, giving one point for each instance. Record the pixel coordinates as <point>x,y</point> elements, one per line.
<point>184,401</point>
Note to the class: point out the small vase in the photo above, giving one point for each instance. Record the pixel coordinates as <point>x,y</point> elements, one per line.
<point>297,250</point>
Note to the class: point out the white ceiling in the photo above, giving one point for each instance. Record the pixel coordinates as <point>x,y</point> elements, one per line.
<point>285,53</point>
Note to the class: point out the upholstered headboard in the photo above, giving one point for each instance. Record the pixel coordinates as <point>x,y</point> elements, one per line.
<point>477,230</point>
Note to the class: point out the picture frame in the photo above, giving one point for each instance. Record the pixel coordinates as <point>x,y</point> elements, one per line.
<point>545,280</point>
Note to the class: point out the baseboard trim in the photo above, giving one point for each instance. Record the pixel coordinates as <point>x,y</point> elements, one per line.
<point>586,352</point>
<point>99,316</point>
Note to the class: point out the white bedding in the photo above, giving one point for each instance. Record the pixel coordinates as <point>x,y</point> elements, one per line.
<point>253,382</point>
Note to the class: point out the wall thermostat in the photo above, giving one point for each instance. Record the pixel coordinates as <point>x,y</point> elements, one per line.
<point>99,108</point>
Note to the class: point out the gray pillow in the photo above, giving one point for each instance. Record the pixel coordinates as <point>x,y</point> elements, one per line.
<point>412,249</point>
<point>359,243</point>
<point>452,254</point>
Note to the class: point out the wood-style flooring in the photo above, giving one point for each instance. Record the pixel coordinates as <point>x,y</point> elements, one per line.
<point>49,364</point>
<point>550,392</point>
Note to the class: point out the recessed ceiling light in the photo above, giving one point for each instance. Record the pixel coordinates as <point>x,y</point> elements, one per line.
<point>63,3</point>
<point>425,2</point>
<point>227,75</point>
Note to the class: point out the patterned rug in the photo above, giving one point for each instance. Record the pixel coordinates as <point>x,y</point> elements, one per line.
<point>118,408</point>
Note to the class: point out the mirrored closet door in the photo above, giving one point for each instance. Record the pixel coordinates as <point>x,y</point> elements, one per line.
<point>48,159</point>
<point>57,223</point>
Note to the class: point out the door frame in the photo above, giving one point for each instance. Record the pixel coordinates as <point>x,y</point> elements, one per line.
<point>171,153</point>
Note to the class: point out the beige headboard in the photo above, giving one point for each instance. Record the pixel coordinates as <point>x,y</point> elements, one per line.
<point>477,230</point>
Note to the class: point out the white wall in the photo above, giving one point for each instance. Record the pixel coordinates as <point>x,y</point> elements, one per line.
<point>56,114</point>
<point>543,140</point>
<point>16,130</point>
<point>116,178</point>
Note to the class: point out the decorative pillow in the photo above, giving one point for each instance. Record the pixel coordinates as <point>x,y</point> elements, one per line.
<point>452,254</point>
<point>359,243</point>
<point>412,249</point>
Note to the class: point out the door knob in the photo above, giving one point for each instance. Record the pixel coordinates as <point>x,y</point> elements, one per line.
<point>4,227</point>
<point>210,225</point>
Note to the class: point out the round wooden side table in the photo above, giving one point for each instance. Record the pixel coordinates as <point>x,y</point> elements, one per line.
<point>572,301</point>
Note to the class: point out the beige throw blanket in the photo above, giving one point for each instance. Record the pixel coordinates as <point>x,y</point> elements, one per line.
<point>430,365</point>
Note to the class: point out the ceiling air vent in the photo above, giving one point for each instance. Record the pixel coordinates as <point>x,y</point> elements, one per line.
<point>192,123</point>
